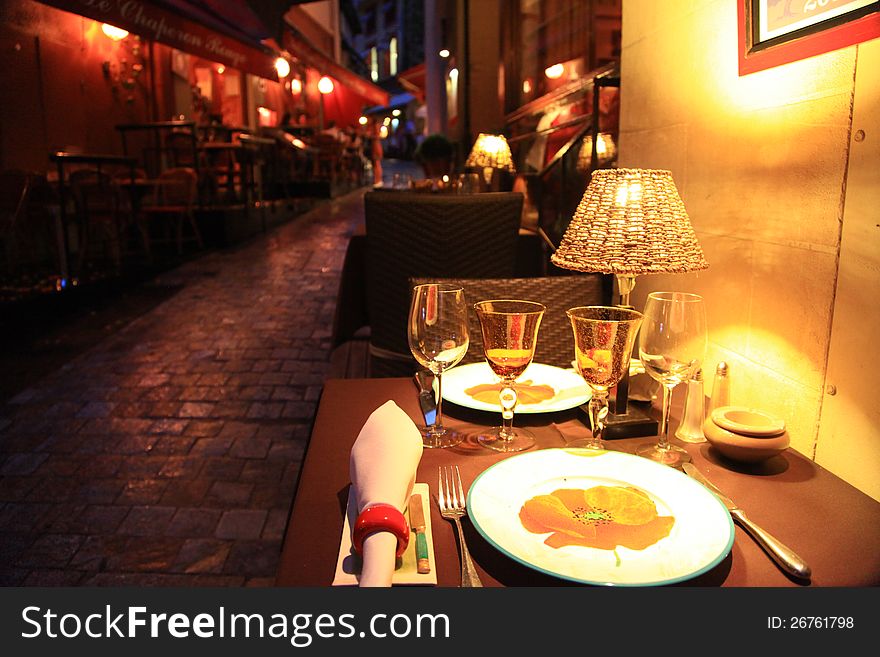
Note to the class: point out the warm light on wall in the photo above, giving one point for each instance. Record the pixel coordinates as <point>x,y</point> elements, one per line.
<point>113,32</point>
<point>282,66</point>
<point>325,85</point>
<point>296,86</point>
<point>221,69</point>
<point>555,71</point>
<point>527,86</point>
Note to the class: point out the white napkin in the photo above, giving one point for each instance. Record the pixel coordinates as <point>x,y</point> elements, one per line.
<point>383,466</point>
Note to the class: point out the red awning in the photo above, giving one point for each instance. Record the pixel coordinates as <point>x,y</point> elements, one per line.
<point>413,80</point>
<point>155,23</point>
<point>302,49</point>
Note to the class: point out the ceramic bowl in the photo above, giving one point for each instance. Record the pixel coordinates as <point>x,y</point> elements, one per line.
<point>743,448</point>
<point>748,421</point>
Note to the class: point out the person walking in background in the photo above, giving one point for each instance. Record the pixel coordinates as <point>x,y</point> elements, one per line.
<point>376,153</point>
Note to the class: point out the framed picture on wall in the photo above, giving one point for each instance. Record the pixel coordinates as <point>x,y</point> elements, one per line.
<point>775,32</point>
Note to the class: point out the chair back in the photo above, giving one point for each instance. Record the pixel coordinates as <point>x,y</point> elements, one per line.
<point>180,147</point>
<point>431,235</point>
<point>555,344</point>
<point>178,187</point>
<point>95,193</point>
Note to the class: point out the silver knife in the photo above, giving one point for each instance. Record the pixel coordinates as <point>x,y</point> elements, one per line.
<point>427,401</point>
<point>783,555</point>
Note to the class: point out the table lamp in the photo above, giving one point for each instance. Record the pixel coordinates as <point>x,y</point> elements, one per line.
<point>630,222</point>
<point>606,151</point>
<point>490,152</point>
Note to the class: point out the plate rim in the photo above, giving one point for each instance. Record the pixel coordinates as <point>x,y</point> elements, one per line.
<point>520,409</point>
<point>664,582</point>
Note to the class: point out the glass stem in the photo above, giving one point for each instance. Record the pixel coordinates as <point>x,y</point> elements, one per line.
<point>508,403</point>
<point>663,442</point>
<point>438,420</point>
<point>598,412</point>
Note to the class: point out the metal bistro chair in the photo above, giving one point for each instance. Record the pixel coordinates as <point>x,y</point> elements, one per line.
<point>559,293</point>
<point>100,215</point>
<point>429,235</point>
<point>173,202</point>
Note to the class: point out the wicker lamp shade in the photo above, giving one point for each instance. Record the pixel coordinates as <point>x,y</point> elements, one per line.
<point>605,151</point>
<point>491,152</point>
<point>630,221</point>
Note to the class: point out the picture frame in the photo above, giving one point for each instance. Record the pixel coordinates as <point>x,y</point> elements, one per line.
<point>776,32</point>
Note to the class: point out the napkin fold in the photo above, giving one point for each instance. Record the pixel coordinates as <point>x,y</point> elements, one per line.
<point>382,467</point>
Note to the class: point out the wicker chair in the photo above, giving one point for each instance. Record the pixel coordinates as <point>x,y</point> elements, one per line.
<point>558,293</point>
<point>429,235</point>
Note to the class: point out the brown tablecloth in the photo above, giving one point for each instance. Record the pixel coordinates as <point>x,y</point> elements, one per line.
<point>831,524</point>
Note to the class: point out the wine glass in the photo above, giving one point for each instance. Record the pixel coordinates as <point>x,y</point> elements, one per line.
<point>510,333</point>
<point>672,345</point>
<point>438,339</point>
<point>603,342</point>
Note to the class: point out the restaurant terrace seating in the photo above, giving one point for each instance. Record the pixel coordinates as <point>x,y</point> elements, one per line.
<point>429,235</point>
<point>99,215</point>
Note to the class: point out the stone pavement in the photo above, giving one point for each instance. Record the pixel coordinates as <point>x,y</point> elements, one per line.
<point>168,454</point>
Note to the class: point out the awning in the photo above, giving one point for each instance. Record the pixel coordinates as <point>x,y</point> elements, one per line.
<point>300,48</point>
<point>203,30</point>
<point>396,101</point>
<point>413,80</point>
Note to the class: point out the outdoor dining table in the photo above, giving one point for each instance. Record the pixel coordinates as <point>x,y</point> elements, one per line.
<point>832,525</point>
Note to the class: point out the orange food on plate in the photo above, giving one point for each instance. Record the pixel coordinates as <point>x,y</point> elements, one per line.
<point>603,517</point>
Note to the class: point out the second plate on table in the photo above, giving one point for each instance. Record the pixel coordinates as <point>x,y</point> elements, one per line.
<point>541,388</point>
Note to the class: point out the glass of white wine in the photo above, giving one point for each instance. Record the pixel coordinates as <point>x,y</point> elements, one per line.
<point>672,345</point>
<point>603,342</point>
<point>438,340</point>
<point>510,335</point>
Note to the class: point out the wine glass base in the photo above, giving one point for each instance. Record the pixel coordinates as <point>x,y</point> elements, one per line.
<point>672,455</point>
<point>584,443</point>
<point>440,439</point>
<point>521,440</point>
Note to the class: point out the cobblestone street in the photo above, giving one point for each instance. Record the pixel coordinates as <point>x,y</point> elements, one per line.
<point>168,453</point>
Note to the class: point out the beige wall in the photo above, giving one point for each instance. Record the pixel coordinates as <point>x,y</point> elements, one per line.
<point>771,180</point>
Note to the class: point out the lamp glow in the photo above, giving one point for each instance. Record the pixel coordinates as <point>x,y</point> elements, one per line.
<point>221,69</point>
<point>555,71</point>
<point>395,112</point>
<point>282,66</point>
<point>113,32</point>
<point>325,85</point>
<point>444,53</point>
<point>362,120</point>
<point>296,86</point>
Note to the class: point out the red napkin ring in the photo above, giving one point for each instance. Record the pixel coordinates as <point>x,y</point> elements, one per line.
<point>380,518</point>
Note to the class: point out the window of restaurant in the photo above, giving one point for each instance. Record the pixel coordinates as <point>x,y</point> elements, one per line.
<point>205,91</point>
<point>392,52</point>
<point>374,63</point>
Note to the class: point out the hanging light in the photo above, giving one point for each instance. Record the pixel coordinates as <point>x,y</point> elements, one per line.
<point>363,120</point>
<point>325,85</point>
<point>113,32</point>
<point>282,66</point>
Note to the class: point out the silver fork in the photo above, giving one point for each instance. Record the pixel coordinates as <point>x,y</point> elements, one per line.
<point>451,499</point>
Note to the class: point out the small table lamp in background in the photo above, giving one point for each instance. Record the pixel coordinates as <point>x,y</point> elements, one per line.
<point>630,222</point>
<point>606,151</point>
<point>490,152</point>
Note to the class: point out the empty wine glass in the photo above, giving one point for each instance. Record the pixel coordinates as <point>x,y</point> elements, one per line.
<point>672,345</point>
<point>603,342</point>
<point>510,334</point>
<point>438,339</point>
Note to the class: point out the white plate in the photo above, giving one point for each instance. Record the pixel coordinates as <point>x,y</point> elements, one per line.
<point>570,388</point>
<point>701,534</point>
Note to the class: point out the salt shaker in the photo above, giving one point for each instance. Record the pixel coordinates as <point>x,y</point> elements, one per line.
<point>720,387</point>
<point>691,428</point>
